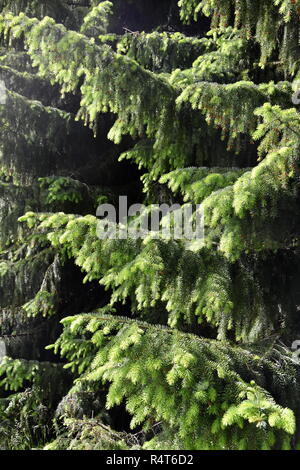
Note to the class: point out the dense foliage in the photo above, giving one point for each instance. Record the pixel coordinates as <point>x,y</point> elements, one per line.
<point>149,343</point>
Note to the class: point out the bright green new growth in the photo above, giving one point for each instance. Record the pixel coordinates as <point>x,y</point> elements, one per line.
<point>201,356</point>
<point>158,370</point>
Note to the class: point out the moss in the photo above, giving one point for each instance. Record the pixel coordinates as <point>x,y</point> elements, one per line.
<point>89,434</point>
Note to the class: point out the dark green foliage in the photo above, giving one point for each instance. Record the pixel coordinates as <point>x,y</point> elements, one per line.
<point>190,341</point>
<point>25,419</point>
<point>163,52</point>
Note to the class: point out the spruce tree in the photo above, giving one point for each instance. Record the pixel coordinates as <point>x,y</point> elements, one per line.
<point>149,343</point>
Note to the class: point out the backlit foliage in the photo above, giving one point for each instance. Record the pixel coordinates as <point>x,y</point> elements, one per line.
<point>192,337</point>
